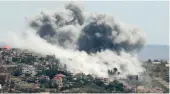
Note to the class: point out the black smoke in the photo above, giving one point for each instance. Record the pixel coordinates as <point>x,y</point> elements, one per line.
<point>94,33</point>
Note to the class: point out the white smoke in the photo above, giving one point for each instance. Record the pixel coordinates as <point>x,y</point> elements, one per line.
<point>84,43</point>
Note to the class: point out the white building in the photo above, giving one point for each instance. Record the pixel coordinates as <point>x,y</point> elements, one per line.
<point>29,69</point>
<point>10,59</point>
<point>156,62</point>
<point>6,58</point>
<point>167,65</point>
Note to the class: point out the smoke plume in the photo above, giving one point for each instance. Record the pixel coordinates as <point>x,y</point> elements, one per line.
<point>88,42</point>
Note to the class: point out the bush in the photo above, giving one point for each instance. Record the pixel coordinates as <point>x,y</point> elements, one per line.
<point>17,72</point>
<point>115,86</point>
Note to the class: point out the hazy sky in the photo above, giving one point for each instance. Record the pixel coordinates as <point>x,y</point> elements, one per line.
<point>152,17</point>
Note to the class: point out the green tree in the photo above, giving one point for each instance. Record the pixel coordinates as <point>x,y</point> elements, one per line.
<point>17,71</point>
<point>52,84</point>
<point>99,82</point>
<point>115,86</point>
<point>114,70</point>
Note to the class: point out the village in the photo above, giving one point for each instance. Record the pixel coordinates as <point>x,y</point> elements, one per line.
<point>24,71</point>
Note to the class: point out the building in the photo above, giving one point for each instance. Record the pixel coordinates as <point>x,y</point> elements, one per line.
<point>133,77</point>
<point>28,54</point>
<point>142,89</point>
<point>28,69</point>
<point>128,87</point>
<point>106,80</point>
<point>9,59</point>
<point>36,86</point>
<point>167,65</point>
<point>10,67</point>
<point>156,62</point>
<point>58,78</point>
<point>4,76</point>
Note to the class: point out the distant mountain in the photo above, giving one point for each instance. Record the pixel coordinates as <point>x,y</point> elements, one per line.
<point>150,52</point>
<point>154,52</point>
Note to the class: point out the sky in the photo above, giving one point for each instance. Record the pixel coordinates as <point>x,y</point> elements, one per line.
<point>151,16</point>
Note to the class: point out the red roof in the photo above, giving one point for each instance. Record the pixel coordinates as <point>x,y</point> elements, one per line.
<point>57,78</point>
<point>60,75</point>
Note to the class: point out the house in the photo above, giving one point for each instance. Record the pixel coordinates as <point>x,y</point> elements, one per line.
<point>155,90</point>
<point>156,62</point>
<point>10,67</point>
<point>28,69</point>
<point>36,86</point>
<point>128,87</point>
<point>133,77</point>
<point>58,78</point>
<point>106,79</point>
<point>140,89</point>
<point>167,65</point>
<point>28,54</point>
<point>6,58</point>
<point>9,59</point>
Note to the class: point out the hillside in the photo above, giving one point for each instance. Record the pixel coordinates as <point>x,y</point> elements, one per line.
<point>150,52</point>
